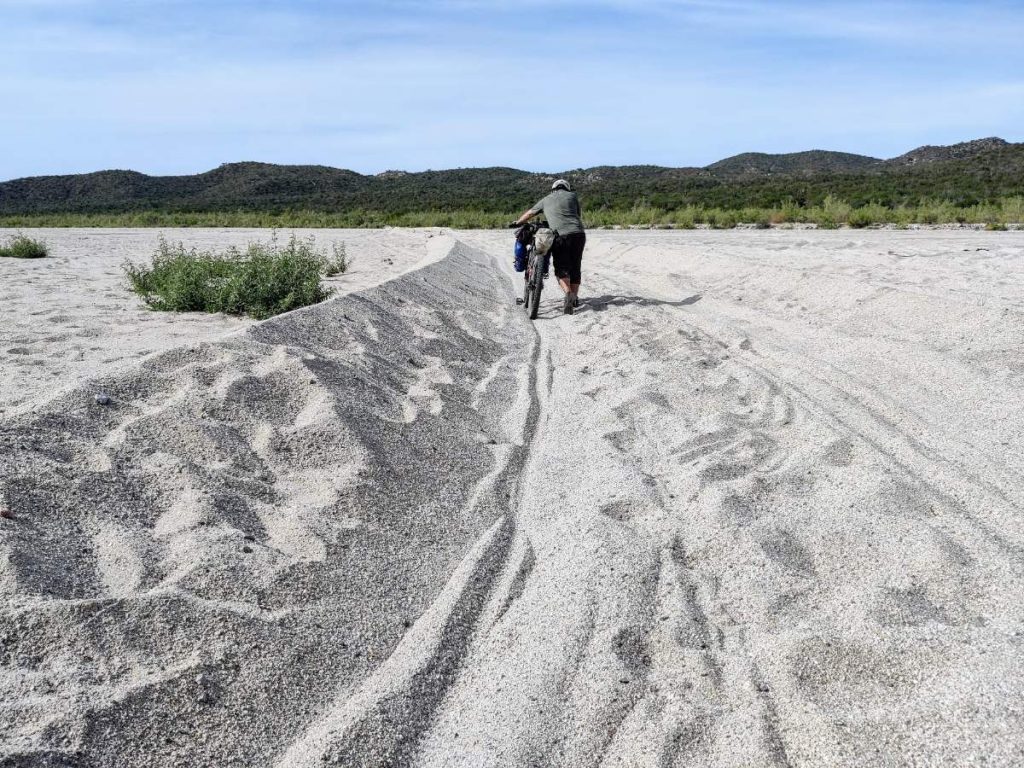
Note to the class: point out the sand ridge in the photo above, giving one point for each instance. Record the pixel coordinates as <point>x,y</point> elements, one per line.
<point>250,528</point>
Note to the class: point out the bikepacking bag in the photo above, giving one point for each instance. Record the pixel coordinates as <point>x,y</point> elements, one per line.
<point>543,240</point>
<point>521,254</point>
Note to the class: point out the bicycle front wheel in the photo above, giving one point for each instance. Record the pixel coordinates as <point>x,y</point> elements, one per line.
<point>535,288</point>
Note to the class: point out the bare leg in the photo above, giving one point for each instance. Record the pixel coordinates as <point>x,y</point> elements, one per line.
<point>575,294</point>
<point>564,282</point>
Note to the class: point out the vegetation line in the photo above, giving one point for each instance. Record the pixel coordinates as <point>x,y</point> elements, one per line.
<point>831,213</point>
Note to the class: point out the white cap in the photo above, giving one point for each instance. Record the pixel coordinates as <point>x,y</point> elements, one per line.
<point>562,184</point>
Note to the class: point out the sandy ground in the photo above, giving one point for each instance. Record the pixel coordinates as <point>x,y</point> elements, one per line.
<point>758,503</point>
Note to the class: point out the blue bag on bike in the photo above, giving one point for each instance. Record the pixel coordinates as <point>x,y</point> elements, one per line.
<point>521,257</point>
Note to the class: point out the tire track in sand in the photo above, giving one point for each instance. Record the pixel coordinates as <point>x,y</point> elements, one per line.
<point>727,572</point>
<point>613,652</point>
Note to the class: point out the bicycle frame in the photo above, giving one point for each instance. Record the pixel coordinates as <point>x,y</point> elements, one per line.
<point>533,278</point>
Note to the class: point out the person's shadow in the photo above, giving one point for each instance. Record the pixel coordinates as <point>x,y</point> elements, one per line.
<point>601,303</point>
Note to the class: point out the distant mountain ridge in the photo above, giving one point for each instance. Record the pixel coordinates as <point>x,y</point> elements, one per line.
<point>796,163</point>
<point>966,173</point>
<point>967,149</point>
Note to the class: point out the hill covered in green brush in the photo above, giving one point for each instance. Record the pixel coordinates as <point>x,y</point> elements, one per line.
<point>965,174</point>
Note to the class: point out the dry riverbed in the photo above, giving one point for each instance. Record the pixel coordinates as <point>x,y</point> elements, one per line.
<point>758,503</point>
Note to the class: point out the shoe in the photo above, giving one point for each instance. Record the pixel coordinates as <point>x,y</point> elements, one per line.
<point>567,304</point>
<point>575,300</point>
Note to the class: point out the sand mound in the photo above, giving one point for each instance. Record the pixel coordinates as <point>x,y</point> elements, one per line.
<point>249,529</point>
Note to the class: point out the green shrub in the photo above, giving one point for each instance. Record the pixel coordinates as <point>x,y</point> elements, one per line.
<point>825,220</point>
<point>338,262</point>
<point>986,213</point>
<point>1013,210</point>
<point>642,215</point>
<point>996,226</point>
<point>21,247</point>
<point>264,280</point>
<point>860,218</point>
<point>682,218</point>
<point>789,212</point>
<point>902,216</point>
<point>867,215</point>
<point>717,219</point>
<point>836,211</point>
<point>940,212</point>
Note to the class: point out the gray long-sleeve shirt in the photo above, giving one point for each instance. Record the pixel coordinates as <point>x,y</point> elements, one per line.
<point>562,210</point>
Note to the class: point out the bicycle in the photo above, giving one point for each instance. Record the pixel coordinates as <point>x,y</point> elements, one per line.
<point>538,252</point>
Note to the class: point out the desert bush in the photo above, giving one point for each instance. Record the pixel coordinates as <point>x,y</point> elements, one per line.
<point>21,247</point>
<point>788,212</point>
<point>642,215</point>
<point>937,212</point>
<point>760,218</point>
<point>717,219</point>
<point>821,217</point>
<point>901,216</point>
<point>682,218</point>
<point>867,215</point>
<point>1013,210</point>
<point>860,218</point>
<point>835,210</point>
<point>264,280</point>
<point>338,262</point>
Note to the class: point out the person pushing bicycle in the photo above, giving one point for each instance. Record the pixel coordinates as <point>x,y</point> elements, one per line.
<point>561,207</point>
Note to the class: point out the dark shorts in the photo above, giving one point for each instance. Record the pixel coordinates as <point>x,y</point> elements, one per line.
<point>567,253</point>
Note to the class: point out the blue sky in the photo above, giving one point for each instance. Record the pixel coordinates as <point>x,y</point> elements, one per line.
<point>180,86</point>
